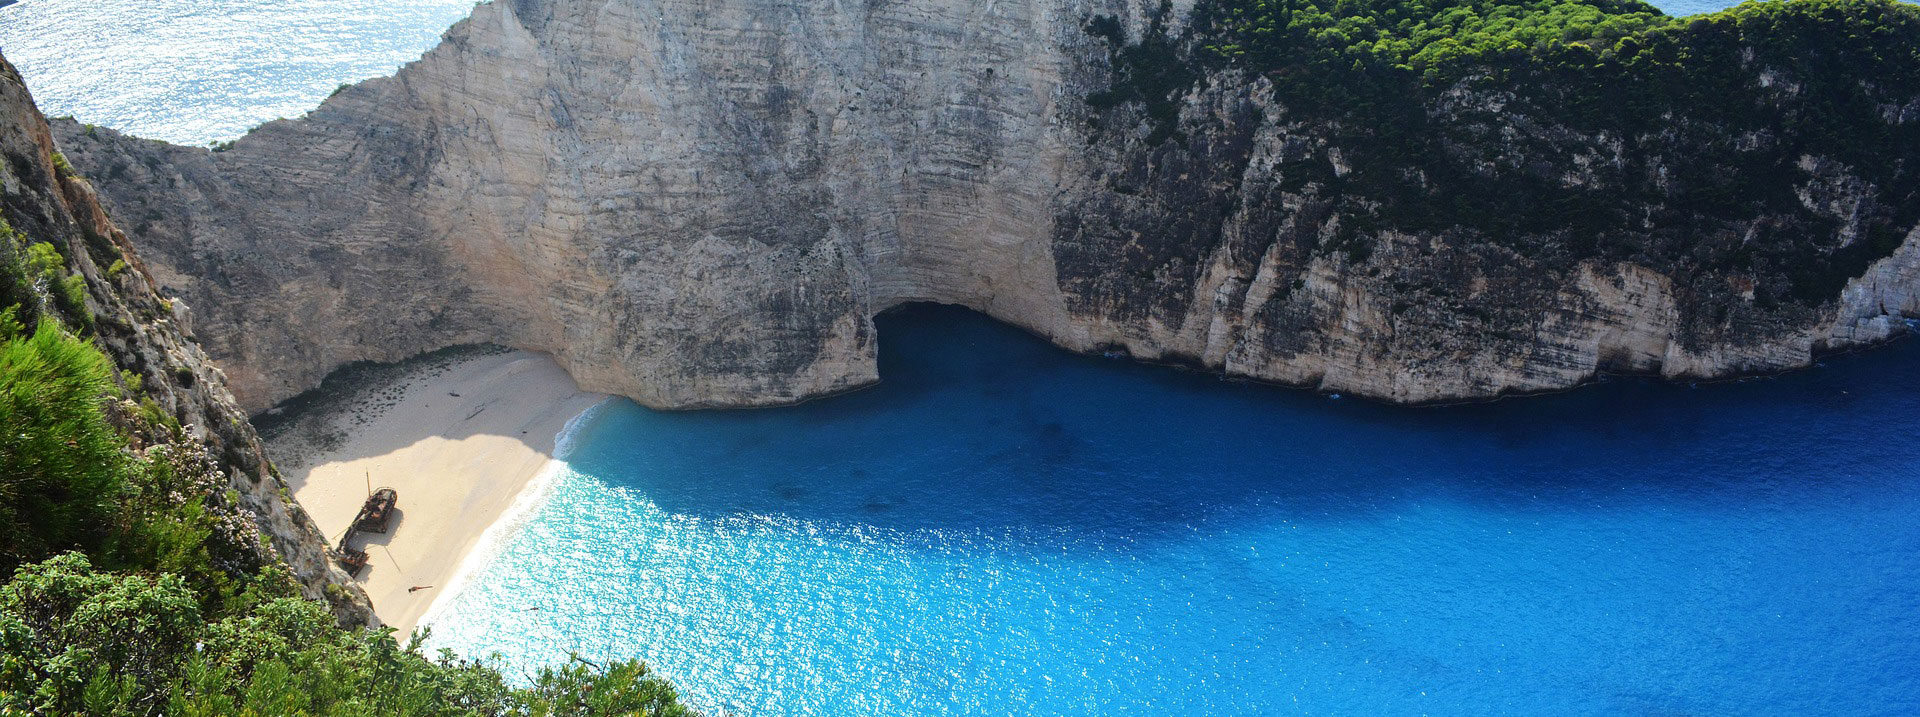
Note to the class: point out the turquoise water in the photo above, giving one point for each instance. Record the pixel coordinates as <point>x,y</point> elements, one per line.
<point>1003,528</point>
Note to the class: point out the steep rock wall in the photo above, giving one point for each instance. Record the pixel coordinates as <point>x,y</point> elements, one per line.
<point>149,341</point>
<point>704,203</point>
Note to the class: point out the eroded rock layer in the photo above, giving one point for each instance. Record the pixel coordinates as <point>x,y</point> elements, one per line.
<point>699,203</point>
<point>156,359</point>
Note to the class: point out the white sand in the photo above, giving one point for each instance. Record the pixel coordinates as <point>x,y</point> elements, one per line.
<point>457,462</point>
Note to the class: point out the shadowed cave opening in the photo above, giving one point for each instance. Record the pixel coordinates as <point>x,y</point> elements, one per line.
<point>964,401</point>
<point>971,400</point>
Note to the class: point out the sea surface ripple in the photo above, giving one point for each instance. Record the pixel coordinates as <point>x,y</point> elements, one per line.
<point>1004,528</point>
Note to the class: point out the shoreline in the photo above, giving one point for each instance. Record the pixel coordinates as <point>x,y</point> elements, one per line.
<point>493,539</point>
<point>469,438</point>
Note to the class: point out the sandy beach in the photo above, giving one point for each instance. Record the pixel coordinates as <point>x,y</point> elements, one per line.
<point>457,434</point>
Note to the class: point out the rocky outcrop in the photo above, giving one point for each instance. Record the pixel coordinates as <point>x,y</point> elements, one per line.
<point>156,358</point>
<point>697,203</point>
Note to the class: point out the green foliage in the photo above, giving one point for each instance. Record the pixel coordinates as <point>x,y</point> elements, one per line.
<point>174,519</point>
<point>72,297</point>
<point>169,602</point>
<point>16,287</point>
<point>79,641</point>
<point>1622,59</point>
<point>10,324</point>
<point>44,261</point>
<point>1621,63</point>
<point>44,264</point>
<point>1151,71</point>
<point>100,247</point>
<point>286,657</point>
<point>1423,96</point>
<point>622,688</point>
<point>151,412</point>
<point>74,639</point>
<point>61,464</point>
<point>197,620</point>
<point>60,165</point>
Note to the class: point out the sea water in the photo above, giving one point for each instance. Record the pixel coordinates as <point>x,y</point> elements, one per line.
<point>201,71</point>
<point>1001,527</point>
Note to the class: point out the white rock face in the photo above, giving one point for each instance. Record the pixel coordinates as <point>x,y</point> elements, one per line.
<point>217,461</point>
<point>689,203</point>
<point>705,202</point>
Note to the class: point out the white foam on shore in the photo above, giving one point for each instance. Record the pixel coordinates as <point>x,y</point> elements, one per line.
<point>527,504</point>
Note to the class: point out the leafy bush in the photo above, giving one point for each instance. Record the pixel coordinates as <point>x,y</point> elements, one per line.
<point>168,603</point>
<point>44,264</point>
<point>10,325</point>
<point>75,639</point>
<point>141,585</point>
<point>62,466</point>
<point>621,688</point>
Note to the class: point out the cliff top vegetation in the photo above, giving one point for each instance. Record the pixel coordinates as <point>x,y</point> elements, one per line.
<point>1704,143</point>
<point>137,584</point>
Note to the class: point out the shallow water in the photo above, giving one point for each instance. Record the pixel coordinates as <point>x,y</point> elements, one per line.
<point>1001,526</point>
<point>200,71</point>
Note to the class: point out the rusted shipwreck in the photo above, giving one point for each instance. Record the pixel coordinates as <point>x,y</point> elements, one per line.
<point>375,513</point>
<point>374,517</point>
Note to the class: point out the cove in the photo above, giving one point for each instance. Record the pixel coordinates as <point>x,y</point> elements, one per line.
<point>1001,527</point>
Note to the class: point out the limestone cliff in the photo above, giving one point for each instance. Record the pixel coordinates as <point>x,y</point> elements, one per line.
<point>152,348</point>
<point>704,203</point>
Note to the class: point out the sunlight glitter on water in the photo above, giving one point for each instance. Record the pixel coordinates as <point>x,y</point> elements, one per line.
<point>201,71</point>
<point>1000,523</point>
<point>198,71</point>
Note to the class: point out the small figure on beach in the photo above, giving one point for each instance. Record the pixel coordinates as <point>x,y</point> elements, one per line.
<point>418,588</point>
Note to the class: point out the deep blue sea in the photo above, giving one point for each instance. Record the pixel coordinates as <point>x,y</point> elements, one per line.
<point>1004,528</point>
<point>1001,528</point>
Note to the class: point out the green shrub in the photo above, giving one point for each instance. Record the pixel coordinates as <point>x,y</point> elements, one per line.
<point>73,299</point>
<point>62,466</point>
<point>44,264</point>
<point>139,584</point>
<point>621,688</point>
<point>173,605</point>
<point>75,639</point>
<point>10,325</point>
<point>79,641</point>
